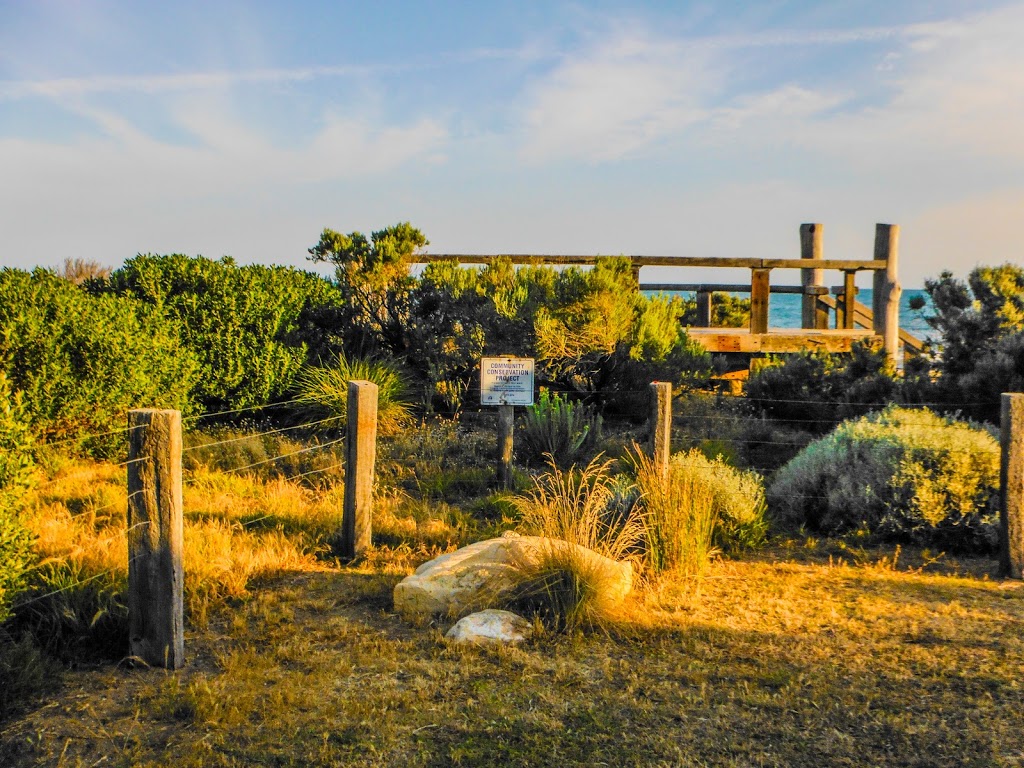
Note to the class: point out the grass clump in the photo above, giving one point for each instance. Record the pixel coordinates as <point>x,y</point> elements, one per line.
<point>323,391</point>
<point>701,505</point>
<point>557,427</point>
<point>575,509</point>
<point>900,474</point>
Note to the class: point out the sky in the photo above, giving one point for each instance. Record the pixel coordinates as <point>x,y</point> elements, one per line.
<point>657,128</point>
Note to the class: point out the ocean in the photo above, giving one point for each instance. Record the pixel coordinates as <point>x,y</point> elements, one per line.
<point>784,309</point>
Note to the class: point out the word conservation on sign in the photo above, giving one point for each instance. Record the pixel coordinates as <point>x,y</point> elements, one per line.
<point>506,381</point>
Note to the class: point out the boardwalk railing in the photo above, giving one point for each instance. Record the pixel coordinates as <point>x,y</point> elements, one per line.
<point>880,323</point>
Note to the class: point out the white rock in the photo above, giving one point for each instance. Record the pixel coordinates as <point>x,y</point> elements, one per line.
<point>472,576</point>
<point>490,627</point>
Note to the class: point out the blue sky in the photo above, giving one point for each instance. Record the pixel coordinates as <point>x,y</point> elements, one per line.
<point>670,128</point>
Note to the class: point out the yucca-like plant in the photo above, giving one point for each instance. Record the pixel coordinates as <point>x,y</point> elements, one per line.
<point>557,427</point>
<point>323,391</point>
<point>559,583</point>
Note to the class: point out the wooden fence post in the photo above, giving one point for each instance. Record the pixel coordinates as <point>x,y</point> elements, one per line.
<point>760,291</point>
<point>1011,486</point>
<point>811,247</point>
<point>360,454</point>
<point>155,571</point>
<point>661,425</point>
<point>886,295</point>
<point>506,422</point>
<point>703,309</point>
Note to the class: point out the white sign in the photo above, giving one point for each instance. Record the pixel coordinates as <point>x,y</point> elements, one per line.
<point>506,381</point>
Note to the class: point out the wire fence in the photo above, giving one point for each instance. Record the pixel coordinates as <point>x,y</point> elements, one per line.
<point>703,426</point>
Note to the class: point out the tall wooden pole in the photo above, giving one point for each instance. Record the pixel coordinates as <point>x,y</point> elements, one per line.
<point>811,248</point>
<point>887,290</point>
<point>703,309</point>
<point>661,425</point>
<point>760,291</point>
<point>360,454</point>
<point>506,422</point>
<point>155,571</point>
<point>1011,508</point>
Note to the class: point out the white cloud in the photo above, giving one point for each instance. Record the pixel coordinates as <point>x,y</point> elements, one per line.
<point>614,99</point>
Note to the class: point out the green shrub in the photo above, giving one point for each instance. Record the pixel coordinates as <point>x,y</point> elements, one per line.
<point>82,361</point>
<point>15,469</point>
<point>700,506</point>
<point>251,328</point>
<point>901,474</point>
<point>817,390</point>
<point>322,392</point>
<point>556,427</point>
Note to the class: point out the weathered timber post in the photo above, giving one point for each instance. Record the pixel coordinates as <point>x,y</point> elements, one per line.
<point>760,290</point>
<point>1011,486</point>
<point>360,454</point>
<point>887,290</point>
<point>703,309</point>
<point>848,303</point>
<point>506,421</point>
<point>661,425</point>
<point>155,572</point>
<point>811,247</point>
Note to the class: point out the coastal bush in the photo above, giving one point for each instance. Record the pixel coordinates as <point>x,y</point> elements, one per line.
<point>816,390</point>
<point>82,361</point>
<point>700,506</point>
<point>15,471</point>
<point>250,328</point>
<point>981,345</point>
<point>900,474</point>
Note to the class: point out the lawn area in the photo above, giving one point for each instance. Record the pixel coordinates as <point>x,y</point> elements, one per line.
<point>806,653</point>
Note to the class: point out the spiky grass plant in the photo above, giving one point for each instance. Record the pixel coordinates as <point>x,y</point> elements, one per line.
<point>322,392</point>
<point>680,514</point>
<point>572,509</point>
<point>557,427</point>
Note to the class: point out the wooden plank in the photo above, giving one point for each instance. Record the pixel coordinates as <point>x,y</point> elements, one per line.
<point>779,340</point>
<point>817,290</point>
<point>849,299</point>
<point>738,262</point>
<point>864,318</point>
<point>759,285</point>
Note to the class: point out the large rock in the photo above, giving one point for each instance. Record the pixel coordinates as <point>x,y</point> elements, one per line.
<point>490,627</point>
<point>474,576</point>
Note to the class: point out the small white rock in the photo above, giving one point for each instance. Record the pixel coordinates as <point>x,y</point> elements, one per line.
<point>491,626</point>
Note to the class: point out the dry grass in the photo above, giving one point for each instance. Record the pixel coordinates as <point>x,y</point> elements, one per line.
<point>786,659</point>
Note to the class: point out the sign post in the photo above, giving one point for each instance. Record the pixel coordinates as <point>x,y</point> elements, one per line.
<point>506,382</point>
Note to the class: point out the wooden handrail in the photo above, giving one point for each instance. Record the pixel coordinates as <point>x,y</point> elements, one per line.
<point>865,318</point>
<point>739,262</point>
<point>813,290</point>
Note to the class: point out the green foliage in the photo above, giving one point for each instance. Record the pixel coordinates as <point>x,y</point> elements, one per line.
<point>251,328</point>
<point>560,429</point>
<point>25,675</point>
<point>817,390</point>
<point>981,351</point>
<point>15,472</point>
<point>82,361</point>
<point>373,277</point>
<point>323,392</point>
<point>727,311</point>
<point>901,474</point>
<point>701,505</point>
